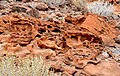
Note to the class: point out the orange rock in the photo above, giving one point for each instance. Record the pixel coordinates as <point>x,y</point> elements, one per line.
<point>42,6</point>
<point>47,44</point>
<point>46,53</point>
<point>117,9</point>
<point>69,69</point>
<point>100,28</point>
<point>104,69</point>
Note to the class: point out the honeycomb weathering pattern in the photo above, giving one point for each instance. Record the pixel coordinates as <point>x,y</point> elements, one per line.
<point>72,45</point>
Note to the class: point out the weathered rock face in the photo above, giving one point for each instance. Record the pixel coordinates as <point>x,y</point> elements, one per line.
<point>104,69</point>
<point>72,41</point>
<point>100,28</point>
<point>21,31</point>
<point>68,46</point>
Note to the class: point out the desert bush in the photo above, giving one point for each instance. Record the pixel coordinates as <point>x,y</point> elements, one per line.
<point>100,8</point>
<point>12,66</point>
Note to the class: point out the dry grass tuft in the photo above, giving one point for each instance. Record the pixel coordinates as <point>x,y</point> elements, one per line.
<point>13,66</point>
